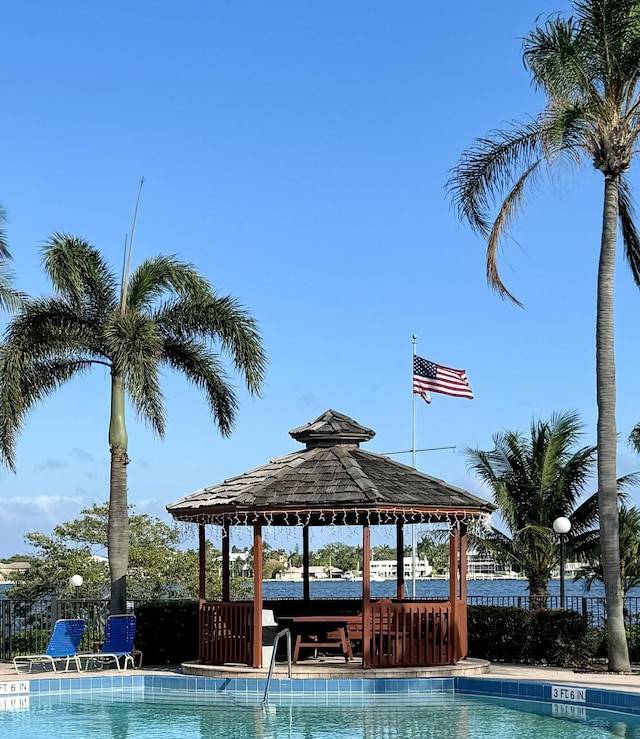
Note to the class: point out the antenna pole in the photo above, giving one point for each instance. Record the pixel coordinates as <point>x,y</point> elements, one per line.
<point>127,260</point>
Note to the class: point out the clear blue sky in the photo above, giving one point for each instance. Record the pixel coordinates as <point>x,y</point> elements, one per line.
<point>297,153</point>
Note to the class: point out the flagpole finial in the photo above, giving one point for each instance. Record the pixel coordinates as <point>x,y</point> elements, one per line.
<point>415,336</point>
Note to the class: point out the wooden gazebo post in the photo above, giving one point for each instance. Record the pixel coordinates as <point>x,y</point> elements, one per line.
<point>366,595</point>
<point>202,564</point>
<point>257,594</point>
<point>305,563</point>
<point>226,562</point>
<point>461,616</point>
<point>453,588</point>
<point>400,560</point>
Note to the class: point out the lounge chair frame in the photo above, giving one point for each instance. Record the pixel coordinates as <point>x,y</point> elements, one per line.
<point>110,652</point>
<point>63,647</point>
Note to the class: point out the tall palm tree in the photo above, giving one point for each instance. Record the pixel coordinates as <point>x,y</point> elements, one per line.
<point>588,66</point>
<point>165,315</point>
<point>534,481</point>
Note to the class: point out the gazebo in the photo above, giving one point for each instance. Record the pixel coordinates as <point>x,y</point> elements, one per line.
<point>333,482</point>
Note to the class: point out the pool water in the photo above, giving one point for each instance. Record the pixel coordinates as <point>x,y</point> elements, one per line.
<point>145,714</point>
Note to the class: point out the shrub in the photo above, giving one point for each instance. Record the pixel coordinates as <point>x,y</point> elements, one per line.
<point>31,642</point>
<point>502,634</point>
<point>498,633</point>
<point>559,638</point>
<point>167,631</point>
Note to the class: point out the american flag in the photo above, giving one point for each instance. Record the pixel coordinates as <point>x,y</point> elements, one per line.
<point>429,376</point>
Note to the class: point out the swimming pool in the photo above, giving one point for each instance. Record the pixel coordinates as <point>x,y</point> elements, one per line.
<point>151,706</point>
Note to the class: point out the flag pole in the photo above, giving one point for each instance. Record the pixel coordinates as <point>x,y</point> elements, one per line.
<point>414,547</point>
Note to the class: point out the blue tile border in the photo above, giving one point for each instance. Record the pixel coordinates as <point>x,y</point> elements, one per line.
<point>541,692</point>
<point>361,687</point>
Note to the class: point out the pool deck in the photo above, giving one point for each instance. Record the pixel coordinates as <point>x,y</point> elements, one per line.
<point>315,669</point>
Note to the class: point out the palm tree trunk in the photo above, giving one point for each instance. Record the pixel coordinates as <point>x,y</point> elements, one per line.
<point>118,529</point>
<point>607,437</point>
<point>538,593</point>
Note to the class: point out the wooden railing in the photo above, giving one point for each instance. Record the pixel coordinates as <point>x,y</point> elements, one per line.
<point>410,634</point>
<point>226,633</point>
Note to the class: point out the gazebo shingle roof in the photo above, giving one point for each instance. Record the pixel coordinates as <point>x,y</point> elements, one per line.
<point>331,481</point>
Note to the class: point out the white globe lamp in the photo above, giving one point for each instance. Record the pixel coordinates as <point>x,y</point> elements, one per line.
<point>562,526</point>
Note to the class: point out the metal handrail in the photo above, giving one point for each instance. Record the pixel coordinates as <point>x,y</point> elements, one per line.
<point>273,659</point>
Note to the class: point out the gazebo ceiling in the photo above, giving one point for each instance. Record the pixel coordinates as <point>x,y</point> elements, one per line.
<point>331,481</point>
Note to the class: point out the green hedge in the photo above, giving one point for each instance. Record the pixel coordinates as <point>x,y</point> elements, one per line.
<point>167,632</point>
<point>502,634</point>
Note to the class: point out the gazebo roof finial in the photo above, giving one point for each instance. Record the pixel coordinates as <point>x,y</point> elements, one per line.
<point>332,429</point>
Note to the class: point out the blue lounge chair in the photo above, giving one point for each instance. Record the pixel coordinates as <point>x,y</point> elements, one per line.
<point>63,646</point>
<point>119,634</point>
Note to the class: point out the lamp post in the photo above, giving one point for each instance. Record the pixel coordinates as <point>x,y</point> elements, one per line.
<point>562,526</point>
<point>76,581</point>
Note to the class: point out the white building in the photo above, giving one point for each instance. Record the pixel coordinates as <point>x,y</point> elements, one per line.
<point>387,569</point>
<point>315,573</point>
<point>484,567</point>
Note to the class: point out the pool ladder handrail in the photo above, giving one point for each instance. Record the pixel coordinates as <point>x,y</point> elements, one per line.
<point>276,639</point>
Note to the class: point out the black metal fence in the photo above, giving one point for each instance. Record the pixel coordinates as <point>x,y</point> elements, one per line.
<point>25,626</point>
<point>593,609</point>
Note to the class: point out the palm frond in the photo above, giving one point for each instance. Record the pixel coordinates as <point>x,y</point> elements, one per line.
<point>488,168</point>
<point>222,321</point>
<point>4,246</point>
<point>610,41</point>
<point>203,369</point>
<point>79,273</point>
<point>630,236</point>
<point>556,59</point>
<point>634,438</point>
<point>164,277</point>
<point>23,384</point>
<point>11,299</point>
<point>46,327</point>
<point>511,205</point>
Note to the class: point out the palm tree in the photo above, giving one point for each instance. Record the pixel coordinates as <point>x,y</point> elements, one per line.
<point>588,66</point>
<point>629,552</point>
<point>165,315</point>
<point>534,481</point>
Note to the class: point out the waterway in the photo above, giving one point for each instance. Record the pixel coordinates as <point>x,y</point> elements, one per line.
<point>426,588</point>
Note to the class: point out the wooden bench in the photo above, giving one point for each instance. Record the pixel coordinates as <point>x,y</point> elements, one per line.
<point>321,632</point>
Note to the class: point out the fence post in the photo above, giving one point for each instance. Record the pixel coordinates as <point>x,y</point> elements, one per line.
<point>5,629</point>
<point>55,610</point>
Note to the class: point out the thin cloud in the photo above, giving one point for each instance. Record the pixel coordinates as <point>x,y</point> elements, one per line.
<point>82,455</point>
<point>52,464</point>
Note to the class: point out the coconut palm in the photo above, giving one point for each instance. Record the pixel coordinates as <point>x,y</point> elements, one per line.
<point>163,316</point>
<point>591,552</point>
<point>535,480</point>
<point>588,66</point>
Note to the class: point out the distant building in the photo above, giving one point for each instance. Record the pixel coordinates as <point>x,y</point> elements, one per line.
<point>481,566</point>
<point>8,570</point>
<point>387,569</point>
<point>315,573</point>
